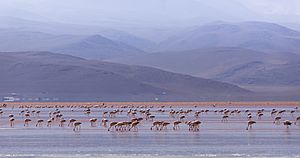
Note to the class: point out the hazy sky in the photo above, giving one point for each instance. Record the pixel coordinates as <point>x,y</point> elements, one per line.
<point>151,11</point>
<point>281,7</point>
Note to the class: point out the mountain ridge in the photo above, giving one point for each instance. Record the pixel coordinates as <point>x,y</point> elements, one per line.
<point>260,36</point>
<point>220,62</point>
<point>76,78</point>
<point>86,46</point>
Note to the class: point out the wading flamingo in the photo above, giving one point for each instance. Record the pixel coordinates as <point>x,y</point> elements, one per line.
<point>104,122</point>
<point>134,125</point>
<point>297,119</point>
<point>249,124</point>
<point>287,123</point>
<point>11,122</point>
<point>156,124</point>
<point>93,122</point>
<point>176,125</point>
<point>71,122</point>
<point>77,126</point>
<point>49,123</point>
<point>39,123</point>
<point>225,118</point>
<point>260,115</point>
<point>26,122</point>
<point>164,125</point>
<point>277,120</point>
<point>194,125</point>
<point>62,122</point>
<point>112,124</point>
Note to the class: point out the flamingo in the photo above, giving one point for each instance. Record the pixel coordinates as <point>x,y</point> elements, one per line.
<point>225,118</point>
<point>37,113</point>
<point>71,122</point>
<point>181,117</point>
<point>104,114</point>
<point>249,117</point>
<point>120,126</point>
<point>11,121</point>
<point>164,125</point>
<point>39,123</point>
<point>277,120</point>
<point>26,122</point>
<point>151,117</point>
<point>104,122</point>
<point>112,124</point>
<point>156,124</point>
<point>292,112</point>
<point>176,125</point>
<point>77,126</point>
<point>260,115</point>
<point>195,125</point>
<point>297,119</point>
<point>27,114</point>
<point>93,122</point>
<point>287,123</point>
<point>134,125</point>
<point>249,124</point>
<point>1,112</point>
<point>49,123</point>
<point>62,122</point>
<point>197,113</point>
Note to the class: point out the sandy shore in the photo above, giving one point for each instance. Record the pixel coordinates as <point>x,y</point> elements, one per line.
<point>176,104</point>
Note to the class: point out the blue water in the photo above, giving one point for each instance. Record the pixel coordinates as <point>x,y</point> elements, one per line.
<point>215,139</point>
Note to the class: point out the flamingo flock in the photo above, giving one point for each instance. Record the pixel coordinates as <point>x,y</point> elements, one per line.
<point>127,118</point>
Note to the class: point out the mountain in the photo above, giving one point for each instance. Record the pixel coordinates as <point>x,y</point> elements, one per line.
<point>260,74</point>
<point>86,46</point>
<point>129,39</point>
<point>18,24</point>
<point>97,47</point>
<point>51,75</point>
<point>260,36</point>
<point>227,64</point>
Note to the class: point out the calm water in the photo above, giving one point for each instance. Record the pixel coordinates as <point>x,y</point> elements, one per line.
<point>215,139</point>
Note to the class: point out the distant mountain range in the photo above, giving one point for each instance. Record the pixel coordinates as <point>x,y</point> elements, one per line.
<point>228,64</point>
<point>247,54</point>
<point>109,43</point>
<point>44,74</point>
<point>260,36</point>
<point>87,46</point>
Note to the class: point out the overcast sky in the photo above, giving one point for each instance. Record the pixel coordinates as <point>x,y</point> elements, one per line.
<point>281,7</point>
<point>151,11</point>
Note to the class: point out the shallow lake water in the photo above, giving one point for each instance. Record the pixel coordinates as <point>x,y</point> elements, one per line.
<point>215,138</point>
